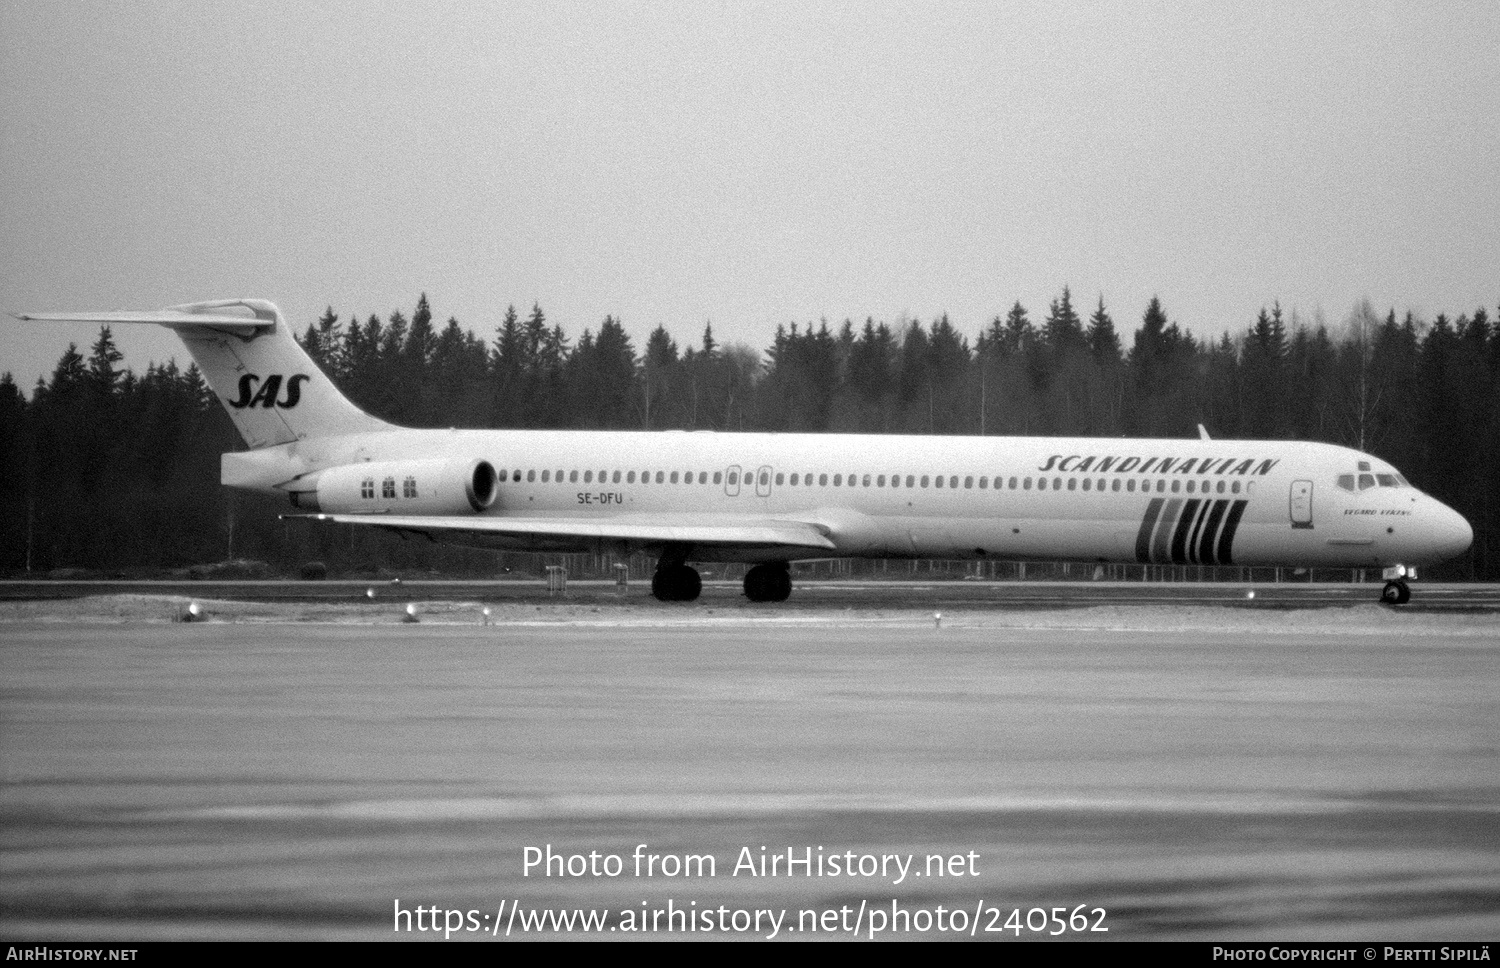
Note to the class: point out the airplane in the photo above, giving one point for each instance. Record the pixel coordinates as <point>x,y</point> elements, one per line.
<point>770,499</point>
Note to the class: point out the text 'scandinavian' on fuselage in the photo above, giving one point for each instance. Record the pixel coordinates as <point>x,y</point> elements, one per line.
<point>770,499</point>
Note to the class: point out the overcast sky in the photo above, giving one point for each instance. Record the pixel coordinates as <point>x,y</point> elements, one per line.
<point>742,163</point>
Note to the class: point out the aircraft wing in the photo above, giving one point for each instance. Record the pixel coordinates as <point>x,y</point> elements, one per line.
<point>700,531</point>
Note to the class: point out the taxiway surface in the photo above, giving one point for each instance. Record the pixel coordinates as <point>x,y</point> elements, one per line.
<point>1191,771</point>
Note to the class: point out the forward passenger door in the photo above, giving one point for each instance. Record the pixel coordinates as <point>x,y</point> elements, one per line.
<point>1301,504</point>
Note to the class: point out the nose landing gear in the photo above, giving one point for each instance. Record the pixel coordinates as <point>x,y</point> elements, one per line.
<point>1395,592</point>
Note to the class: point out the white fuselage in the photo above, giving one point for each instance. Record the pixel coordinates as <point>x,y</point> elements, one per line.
<point>1083,499</point>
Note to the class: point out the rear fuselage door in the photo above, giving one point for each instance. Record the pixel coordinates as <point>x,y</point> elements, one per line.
<point>732,481</point>
<point>1301,504</point>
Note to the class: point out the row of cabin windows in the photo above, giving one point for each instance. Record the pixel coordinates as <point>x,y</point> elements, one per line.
<point>388,487</point>
<point>950,482</point>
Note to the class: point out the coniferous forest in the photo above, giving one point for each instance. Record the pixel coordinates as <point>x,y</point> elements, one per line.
<point>115,471</point>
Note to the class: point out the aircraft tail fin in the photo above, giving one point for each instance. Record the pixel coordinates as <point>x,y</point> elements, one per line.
<point>273,391</point>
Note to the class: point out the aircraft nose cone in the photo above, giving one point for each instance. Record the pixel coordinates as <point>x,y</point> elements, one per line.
<point>1451,533</point>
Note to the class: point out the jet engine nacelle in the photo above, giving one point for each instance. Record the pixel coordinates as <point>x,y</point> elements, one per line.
<point>399,487</point>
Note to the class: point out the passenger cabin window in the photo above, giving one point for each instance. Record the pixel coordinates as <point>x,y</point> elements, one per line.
<point>388,487</point>
<point>367,487</point>
<point>409,487</point>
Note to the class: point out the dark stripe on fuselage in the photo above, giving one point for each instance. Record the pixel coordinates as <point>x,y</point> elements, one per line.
<point>1180,536</point>
<point>1196,533</point>
<point>1226,540</point>
<point>1143,537</point>
<point>1161,550</point>
<point>1206,554</point>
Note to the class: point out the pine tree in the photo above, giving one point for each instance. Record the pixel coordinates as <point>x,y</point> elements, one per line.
<point>1063,330</point>
<point>1103,341</point>
<point>104,377</point>
<point>1019,334</point>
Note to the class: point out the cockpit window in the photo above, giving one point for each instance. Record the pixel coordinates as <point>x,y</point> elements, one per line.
<point>1365,481</point>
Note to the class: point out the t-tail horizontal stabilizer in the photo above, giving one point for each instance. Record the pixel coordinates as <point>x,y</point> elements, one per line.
<point>273,391</point>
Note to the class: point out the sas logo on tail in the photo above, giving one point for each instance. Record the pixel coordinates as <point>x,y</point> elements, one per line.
<point>267,395</point>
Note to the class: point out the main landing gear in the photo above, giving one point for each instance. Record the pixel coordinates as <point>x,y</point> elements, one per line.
<point>1395,593</point>
<point>675,583</point>
<point>769,583</point>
